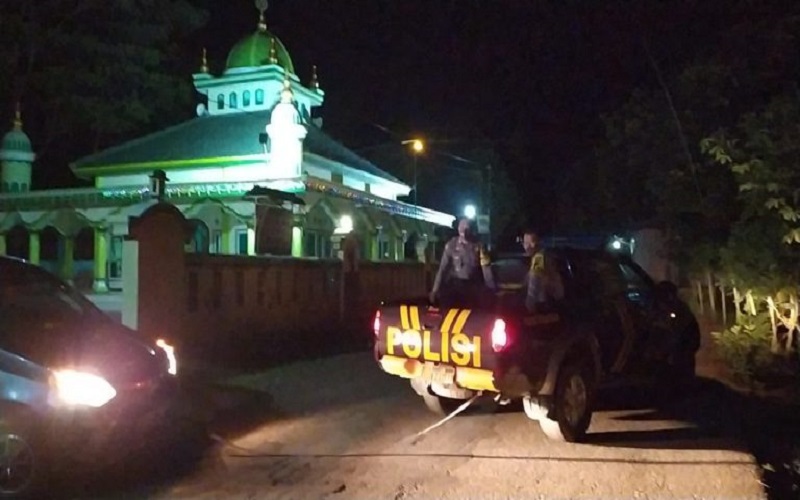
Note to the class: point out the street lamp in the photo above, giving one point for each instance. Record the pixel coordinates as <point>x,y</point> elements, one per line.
<point>417,148</point>
<point>618,244</point>
<point>470,212</point>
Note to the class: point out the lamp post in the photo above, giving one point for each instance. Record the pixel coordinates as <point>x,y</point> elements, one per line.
<point>470,212</point>
<point>417,148</point>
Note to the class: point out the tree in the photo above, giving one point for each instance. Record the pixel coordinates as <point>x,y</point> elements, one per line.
<point>94,71</point>
<point>762,257</point>
<point>651,150</point>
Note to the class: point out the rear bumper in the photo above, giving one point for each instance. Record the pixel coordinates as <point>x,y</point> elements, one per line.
<point>474,379</point>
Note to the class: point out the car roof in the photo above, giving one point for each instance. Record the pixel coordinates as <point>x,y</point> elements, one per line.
<point>569,252</point>
<point>8,261</point>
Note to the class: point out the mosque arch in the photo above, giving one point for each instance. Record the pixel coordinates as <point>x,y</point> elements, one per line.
<point>201,237</point>
<point>18,242</point>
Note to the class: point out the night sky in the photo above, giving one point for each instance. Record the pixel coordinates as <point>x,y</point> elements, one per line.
<point>528,79</point>
<point>531,77</point>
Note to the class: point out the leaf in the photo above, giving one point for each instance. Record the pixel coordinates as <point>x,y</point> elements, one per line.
<point>740,168</point>
<point>774,203</point>
<point>789,214</point>
<point>773,187</point>
<point>748,186</point>
<point>792,236</point>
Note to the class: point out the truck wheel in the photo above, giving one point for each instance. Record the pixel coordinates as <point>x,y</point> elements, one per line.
<point>571,412</point>
<point>441,405</point>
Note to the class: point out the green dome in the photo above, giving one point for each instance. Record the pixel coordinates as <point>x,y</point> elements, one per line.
<point>254,50</point>
<point>17,140</point>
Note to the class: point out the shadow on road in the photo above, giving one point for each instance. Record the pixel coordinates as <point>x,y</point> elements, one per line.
<point>715,417</point>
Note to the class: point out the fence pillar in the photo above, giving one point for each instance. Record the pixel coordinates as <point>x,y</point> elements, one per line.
<point>160,291</point>
<point>712,296</point>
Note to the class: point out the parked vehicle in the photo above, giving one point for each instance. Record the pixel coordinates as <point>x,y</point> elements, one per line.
<point>71,379</point>
<point>614,324</point>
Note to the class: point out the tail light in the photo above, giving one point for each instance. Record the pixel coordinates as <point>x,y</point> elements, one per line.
<point>499,335</point>
<point>376,323</point>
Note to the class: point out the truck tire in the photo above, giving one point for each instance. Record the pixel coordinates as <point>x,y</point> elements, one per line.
<point>571,414</point>
<point>441,405</point>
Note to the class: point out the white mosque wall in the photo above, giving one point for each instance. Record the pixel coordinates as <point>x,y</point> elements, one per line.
<point>319,173</point>
<point>355,183</point>
<point>234,92</point>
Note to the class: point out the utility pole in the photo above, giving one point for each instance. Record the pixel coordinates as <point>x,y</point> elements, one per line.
<point>489,204</point>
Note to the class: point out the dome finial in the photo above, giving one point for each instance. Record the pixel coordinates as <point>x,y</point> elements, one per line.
<point>287,96</point>
<point>314,80</point>
<point>262,5</point>
<point>273,51</point>
<point>204,64</point>
<point>17,117</point>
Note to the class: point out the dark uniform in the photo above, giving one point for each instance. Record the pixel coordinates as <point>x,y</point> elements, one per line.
<point>463,272</point>
<point>544,284</point>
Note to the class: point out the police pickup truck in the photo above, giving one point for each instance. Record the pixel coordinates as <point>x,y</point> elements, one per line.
<point>614,324</point>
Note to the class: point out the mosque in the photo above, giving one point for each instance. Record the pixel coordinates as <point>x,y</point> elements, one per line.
<point>253,172</point>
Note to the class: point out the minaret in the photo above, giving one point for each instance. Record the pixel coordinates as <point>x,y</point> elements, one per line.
<point>16,157</point>
<point>286,134</point>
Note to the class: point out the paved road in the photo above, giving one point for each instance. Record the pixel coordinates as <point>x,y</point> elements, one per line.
<point>339,428</point>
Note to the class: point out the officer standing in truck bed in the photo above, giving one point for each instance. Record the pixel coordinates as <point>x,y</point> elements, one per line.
<point>464,272</point>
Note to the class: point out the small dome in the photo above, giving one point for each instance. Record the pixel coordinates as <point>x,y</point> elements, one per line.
<point>255,50</point>
<point>17,140</point>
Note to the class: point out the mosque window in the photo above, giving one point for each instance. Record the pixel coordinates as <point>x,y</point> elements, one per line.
<point>220,101</point>
<point>14,187</point>
<point>259,97</point>
<point>24,187</point>
<point>5,187</point>
<point>246,98</point>
<point>232,101</point>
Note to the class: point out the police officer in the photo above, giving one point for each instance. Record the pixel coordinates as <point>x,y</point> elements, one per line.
<point>543,282</point>
<point>463,270</point>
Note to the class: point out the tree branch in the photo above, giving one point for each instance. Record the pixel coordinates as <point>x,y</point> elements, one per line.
<point>677,120</point>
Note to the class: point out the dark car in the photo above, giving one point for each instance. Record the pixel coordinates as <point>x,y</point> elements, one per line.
<point>613,324</point>
<point>71,378</point>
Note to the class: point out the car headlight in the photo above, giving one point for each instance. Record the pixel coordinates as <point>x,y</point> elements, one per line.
<point>170,352</point>
<point>77,388</point>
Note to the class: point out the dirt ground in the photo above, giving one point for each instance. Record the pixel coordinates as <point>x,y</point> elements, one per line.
<point>340,428</point>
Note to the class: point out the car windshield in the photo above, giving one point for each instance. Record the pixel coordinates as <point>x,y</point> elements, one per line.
<point>510,273</point>
<point>36,308</point>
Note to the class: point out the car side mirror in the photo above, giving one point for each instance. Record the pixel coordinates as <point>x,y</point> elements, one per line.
<point>667,290</point>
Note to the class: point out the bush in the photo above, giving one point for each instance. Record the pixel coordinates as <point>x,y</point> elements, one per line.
<point>746,348</point>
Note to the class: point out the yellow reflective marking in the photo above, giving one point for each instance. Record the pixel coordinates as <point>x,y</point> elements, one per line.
<point>476,354</point>
<point>461,349</point>
<point>461,321</point>
<point>415,323</point>
<point>448,321</point>
<point>426,348</point>
<point>391,338</point>
<point>404,324</point>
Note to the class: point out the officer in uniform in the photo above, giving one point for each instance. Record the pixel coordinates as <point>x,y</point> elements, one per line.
<point>463,271</point>
<point>543,283</point>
